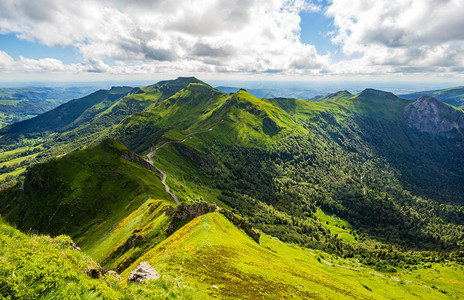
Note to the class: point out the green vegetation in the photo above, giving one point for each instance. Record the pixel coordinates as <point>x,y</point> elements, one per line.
<point>41,267</point>
<point>346,177</point>
<point>215,259</point>
<point>338,227</point>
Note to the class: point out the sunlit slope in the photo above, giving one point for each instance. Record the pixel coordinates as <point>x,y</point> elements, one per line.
<point>66,116</point>
<point>41,267</point>
<point>348,156</point>
<point>236,119</point>
<point>212,256</point>
<point>81,190</point>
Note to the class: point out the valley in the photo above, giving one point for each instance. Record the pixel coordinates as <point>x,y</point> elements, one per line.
<point>355,196</point>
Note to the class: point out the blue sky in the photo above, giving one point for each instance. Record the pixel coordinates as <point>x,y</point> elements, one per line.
<point>17,47</point>
<point>217,39</point>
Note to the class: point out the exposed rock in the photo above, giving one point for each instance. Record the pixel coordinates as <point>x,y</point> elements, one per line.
<point>430,115</point>
<point>241,224</point>
<point>143,272</point>
<point>115,274</point>
<point>74,246</point>
<point>96,273</point>
<point>214,287</point>
<point>185,211</point>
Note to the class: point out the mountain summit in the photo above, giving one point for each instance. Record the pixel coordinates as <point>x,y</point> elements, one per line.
<point>430,115</point>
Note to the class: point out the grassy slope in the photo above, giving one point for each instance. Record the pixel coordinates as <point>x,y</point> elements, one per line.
<point>97,197</point>
<point>40,267</point>
<point>211,251</point>
<point>84,122</point>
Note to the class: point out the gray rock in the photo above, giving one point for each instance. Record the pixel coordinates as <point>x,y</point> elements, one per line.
<point>185,211</point>
<point>115,274</point>
<point>430,115</point>
<point>74,246</point>
<point>143,272</point>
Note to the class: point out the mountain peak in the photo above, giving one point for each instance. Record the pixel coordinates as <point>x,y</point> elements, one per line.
<point>430,115</point>
<point>428,99</point>
<point>178,82</point>
<point>370,91</point>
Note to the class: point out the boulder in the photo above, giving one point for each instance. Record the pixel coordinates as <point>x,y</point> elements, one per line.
<point>143,272</point>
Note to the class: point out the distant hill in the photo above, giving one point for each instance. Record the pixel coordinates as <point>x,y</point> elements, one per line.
<point>268,93</point>
<point>17,104</point>
<point>452,96</point>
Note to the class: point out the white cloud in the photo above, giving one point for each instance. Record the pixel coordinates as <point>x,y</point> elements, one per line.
<point>213,35</point>
<point>401,35</point>
<point>5,60</point>
<point>236,36</point>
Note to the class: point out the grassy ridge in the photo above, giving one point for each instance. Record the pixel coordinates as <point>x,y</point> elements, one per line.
<point>217,260</point>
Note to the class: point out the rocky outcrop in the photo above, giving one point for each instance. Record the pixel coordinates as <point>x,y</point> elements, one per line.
<point>115,275</point>
<point>430,115</point>
<point>74,246</point>
<point>143,272</point>
<point>240,223</point>
<point>185,211</point>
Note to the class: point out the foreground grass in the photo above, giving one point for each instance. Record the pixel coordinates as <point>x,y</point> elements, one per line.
<point>41,267</point>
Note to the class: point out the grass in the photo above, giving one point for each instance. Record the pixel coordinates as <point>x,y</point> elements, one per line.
<point>41,267</point>
<point>337,226</point>
<point>209,251</point>
<point>115,208</point>
<point>208,258</point>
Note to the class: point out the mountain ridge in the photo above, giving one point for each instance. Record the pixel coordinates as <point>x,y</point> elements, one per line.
<point>348,176</point>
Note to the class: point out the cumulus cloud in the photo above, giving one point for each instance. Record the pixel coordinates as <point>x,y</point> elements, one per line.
<point>253,36</point>
<point>5,60</point>
<point>401,36</point>
<point>213,35</point>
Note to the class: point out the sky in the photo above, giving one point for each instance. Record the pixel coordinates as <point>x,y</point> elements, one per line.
<point>286,40</point>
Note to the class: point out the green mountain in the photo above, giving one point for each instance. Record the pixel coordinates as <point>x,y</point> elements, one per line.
<point>355,196</point>
<point>452,96</point>
<point>17,104</point>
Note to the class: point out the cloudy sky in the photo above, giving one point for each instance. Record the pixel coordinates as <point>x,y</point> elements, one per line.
<point>259,39</point>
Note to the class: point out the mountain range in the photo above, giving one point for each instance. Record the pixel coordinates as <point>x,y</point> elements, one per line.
<point>352,196</point>
<point>17,104</point>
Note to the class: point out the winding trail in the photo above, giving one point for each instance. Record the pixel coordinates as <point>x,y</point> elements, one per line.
<point>152,153</point>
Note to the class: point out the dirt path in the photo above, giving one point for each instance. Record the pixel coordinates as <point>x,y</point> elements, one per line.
<point>152,153</point>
